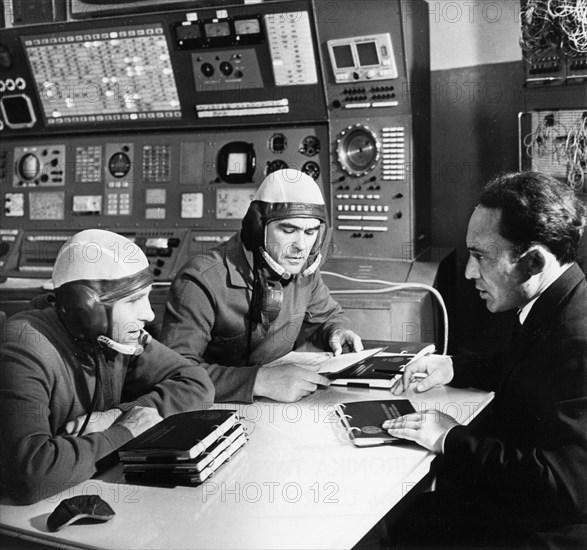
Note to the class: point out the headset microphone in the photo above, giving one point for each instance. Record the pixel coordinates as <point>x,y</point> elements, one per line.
<point>286,275</point>
<point>127,349</point>
<point>278,269</point>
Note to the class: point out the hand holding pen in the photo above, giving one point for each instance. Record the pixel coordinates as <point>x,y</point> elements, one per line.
<point>425,369</point>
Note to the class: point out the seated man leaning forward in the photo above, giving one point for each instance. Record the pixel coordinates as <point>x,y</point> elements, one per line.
<point>245,303</point>
<point>80,377</point>
<point>518,479</point>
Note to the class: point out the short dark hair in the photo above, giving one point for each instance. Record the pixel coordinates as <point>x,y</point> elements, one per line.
<point>537,209</point>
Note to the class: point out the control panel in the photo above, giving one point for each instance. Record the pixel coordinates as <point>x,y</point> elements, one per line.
<point>362,58</point>
<point>553,66</point>
<point>370,197</point>
<point>155,188</point>
<point>202,67</point>
<point>553,43</point>
<point>160,120</point>
<point>379,127</point>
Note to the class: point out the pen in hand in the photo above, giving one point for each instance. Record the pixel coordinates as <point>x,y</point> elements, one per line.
<point>424,352</point>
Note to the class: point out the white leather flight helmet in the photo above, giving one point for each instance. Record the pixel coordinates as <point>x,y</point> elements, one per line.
<point>94,269</point>
<point>283,194</point>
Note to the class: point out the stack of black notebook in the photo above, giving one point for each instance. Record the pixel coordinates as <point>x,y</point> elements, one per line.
<point>183,449</point>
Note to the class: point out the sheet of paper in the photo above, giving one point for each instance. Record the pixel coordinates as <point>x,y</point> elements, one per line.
<point>336,364</point>
<point>301,358</point>
<point>327,362</point>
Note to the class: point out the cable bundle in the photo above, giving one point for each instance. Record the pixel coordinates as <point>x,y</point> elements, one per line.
<point>539,30</point>
<point>549,24</point>
<point>576,153</point>
<point>547,139</point>
<point>557,145</point>
<point>571,16</point>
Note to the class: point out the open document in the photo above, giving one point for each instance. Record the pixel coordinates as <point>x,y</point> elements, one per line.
<point>378,367</point>
<point>328,363</point>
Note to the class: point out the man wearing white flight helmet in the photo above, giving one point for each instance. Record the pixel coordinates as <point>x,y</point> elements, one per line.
<point>80,377</point>
<point>246,302</point>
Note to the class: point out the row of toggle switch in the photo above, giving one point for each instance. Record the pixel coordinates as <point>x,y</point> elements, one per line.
<point>362,208</point>
<point>359,196</point>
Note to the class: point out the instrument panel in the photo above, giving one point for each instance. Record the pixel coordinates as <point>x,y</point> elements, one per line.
<point>160,122</point>
<point>156,187</point>
<point>235,65</point>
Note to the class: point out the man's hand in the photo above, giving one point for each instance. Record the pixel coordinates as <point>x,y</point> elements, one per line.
<point>288,383</point>
<point>342,337</point>
<point>139,419</point>
<point>438,369</point>
<point>427,428</point>
<point>99,421</point>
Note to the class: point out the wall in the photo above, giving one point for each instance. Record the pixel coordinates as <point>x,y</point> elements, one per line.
<point>476,94</point>
<point>465,33</point>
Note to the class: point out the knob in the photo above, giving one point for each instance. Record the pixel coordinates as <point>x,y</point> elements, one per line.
<point>226,68</point>
<point>207,69</point>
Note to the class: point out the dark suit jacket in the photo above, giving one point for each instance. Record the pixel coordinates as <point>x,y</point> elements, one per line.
<point>524,471</point>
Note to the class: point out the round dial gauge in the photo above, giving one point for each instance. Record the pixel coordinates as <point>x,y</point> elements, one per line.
<point>119,165</point>
<point>358,150</point>
<point>247,26</point>
<point>274,165</point>
<point>312,169</point>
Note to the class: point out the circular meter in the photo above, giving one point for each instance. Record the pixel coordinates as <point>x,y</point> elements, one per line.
<point>357,149</point>
<point>274,165</point>
<point>119,165</point>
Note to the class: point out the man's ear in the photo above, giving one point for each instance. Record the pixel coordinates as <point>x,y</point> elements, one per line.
<point>533,261</point>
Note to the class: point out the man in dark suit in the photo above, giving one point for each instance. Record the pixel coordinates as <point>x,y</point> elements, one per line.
<point>520,478</point>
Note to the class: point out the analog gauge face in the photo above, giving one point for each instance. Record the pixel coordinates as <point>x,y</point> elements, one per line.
<point>310,146</point>
<point>274,165</point>
<point>188,32</point>
<point>312,169</point>
<point>247,26</point>
<point>119,165</point>
<point>357,150</point>
<point>217,29</point>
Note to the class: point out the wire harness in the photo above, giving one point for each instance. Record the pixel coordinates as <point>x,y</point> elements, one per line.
<point>394,287</point>
<point>549,24</point>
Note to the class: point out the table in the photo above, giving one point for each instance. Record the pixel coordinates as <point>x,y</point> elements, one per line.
<point>298,483</point>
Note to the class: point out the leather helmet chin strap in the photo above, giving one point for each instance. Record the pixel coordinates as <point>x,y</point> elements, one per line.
<point>286,275</point>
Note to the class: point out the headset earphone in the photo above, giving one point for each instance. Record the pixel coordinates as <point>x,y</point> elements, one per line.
<point>85,316</point>
<point>82,312</point>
